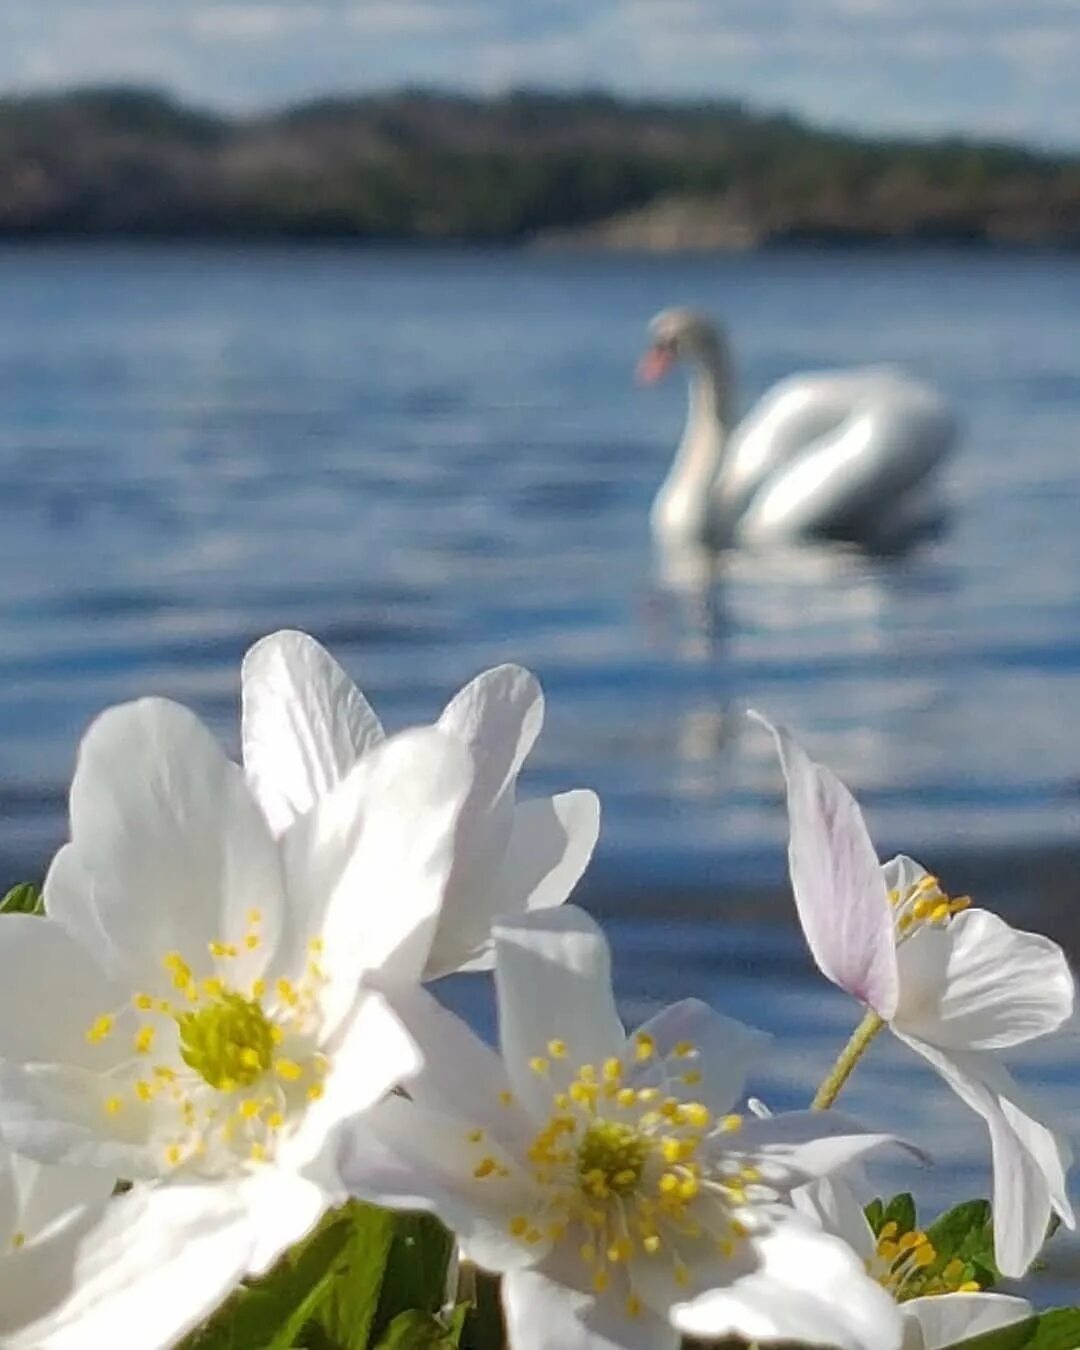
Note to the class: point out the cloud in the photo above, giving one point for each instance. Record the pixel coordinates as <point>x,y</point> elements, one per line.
<point>975,65</point>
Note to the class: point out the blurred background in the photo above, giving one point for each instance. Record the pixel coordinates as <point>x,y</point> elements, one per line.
<point>324,314</point>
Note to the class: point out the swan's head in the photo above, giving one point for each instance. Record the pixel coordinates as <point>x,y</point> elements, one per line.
<point>679,335</point>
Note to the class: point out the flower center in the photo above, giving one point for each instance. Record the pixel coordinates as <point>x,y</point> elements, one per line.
<point>611,1158</point>
<point>924,903</point>
<point>906,1264</point>
<point>229,1043</point>
<point>617,1168</point>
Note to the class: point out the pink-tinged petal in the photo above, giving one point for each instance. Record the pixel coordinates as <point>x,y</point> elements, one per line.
<point>553,982</point>
<point>406,1157</point>
<point>498,715</point>
<point>544,1314</point>
<point>836,877</point>
<point>722,1051</point>
<point>304,725</point>
<point>977,984</point>
<point>169,851</point>
<point>150,1265</point>
<point>541,859</point>
<point>807,1287</point>
<point>945,1320</point>
<point>1030,1160</point>
<point>366,869</point>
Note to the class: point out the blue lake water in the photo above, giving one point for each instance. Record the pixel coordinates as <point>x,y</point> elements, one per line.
<point>436,462</point>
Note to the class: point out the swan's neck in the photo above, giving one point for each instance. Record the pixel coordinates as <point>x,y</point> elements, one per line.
<point>684,504</point>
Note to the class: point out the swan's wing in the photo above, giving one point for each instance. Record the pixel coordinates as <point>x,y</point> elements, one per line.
<point>847,479</point>
<point>794,414</point>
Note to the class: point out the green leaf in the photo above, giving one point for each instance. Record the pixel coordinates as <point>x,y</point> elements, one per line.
<point>483,1329</point>
<point>966,1233</point>
<point>347,1314</point>
<point>416,1268</point>
<point>419,1330</point>
<point>26,898</point>
<point>901,1211</point>
<point>271,1314</point>
<point>875,1215</point>
<point>1057,1329</point>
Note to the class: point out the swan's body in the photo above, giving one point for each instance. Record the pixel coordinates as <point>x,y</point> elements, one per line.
<point>841,454</point>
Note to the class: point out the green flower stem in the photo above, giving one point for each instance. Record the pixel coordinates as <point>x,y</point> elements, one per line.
<point>861,1037</point>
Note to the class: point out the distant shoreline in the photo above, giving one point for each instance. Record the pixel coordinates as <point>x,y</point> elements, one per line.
<point>524,169</point>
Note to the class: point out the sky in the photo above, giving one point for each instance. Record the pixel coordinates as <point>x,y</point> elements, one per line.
<point>986,67</point>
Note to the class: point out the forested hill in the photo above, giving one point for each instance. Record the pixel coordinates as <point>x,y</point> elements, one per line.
<point>429,166</point>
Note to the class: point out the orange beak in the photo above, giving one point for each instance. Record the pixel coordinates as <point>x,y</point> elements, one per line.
<point>655,364</point>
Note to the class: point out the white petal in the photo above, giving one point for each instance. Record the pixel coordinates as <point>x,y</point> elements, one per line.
<point>282,1210</point>
<point>834,1205</point>
<point>402,1156</point>
<point>799,1146</point>
<point>367,867</point>
<point>542,1314</point>
<point>49,1193</point>
<point>145,1270</point>
<point>979,984</point>
<point>169,851</point>
<point>553,981</point>
<point>461,1075</point>
<point>540,861</point>
<point>809,1288</point>
<point>52,991</point>
<point>498,715</point>
<point>305,724</point>
<point>57,1115</point>
<point>723,1050</point>
<point>371,1055</point>
<point>1030,1160</point>
<point>945,1319</point>
<point>837,880</point>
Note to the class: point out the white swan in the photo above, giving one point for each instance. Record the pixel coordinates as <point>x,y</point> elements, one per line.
<point>841,454</point>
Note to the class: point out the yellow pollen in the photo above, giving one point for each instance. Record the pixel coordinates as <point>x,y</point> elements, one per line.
<point>644,1047</point>
<point>288,1069</point>
<point>144,1039</point>
<point>588,1254</point>
<point>228,1042</point>
<point>100,1029</point>
<point>600,1281</point>
<point>506,1098</point>
<point>682,1275</point>
<point>474,1136</point>
<point>611,1158</point>
<point>969,1287</point>
<point>174,1154</point>
<point>612,1071</point>
<point>113,1105</point>
<point>557,1049</point>
<point>650,1094</point>
<point>730,1124</point>
<point>143,1002</point>
<point>257,1153</point>
<point>539,1064</point>
<point>18,1240</point>
<point>486,1167</point>
<point>633,1305</point>
<point>251,941</point>
<point>275,1119</point>
<point>620,1250</point>
<point>692,1077</point>
<point>519,1225</point>
<point>287,993</point>
<point>249,1109</point>
<point>258,989</point>
<point>254,916</point>
<point>651,1243</point>
<point>684,1050</point>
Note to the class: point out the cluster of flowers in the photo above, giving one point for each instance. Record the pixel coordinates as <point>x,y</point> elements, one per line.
<point>224,1005</point>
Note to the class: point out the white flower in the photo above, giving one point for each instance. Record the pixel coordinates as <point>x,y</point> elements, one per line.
<point>191,1006</point>
<point>305,724</point>
<point>79,1269</point>
<point>938,1312</point>
<point>604,1175</point>
<point>956,984</point>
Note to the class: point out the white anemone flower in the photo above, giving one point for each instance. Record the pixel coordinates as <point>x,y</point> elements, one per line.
<point>79,1268</point>
<point>954,983</point>
<point>606,1176</point>
<point>305,725</point>
<point>939,1311</point>
<point>192,1004</point>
